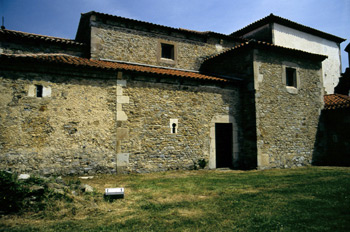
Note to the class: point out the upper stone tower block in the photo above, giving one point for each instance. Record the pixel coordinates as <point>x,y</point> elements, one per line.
<point>283,32</point>
<point>117,38</point>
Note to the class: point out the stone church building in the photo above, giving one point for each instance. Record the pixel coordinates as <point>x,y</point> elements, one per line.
<point>132,96</point>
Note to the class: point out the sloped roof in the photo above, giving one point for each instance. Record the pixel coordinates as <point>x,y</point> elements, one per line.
<point>336,101</point>
<point>286,22</point>
<point>12,35</point>
<point>265,45</point>
<point>74,61</point>
<point>144,24</point>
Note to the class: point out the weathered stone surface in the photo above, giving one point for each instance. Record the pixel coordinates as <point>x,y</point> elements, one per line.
<point>122,133</point>
<point>286,122</point>
<point>23,177</point>
<point>78,131</point>
<point>110,121</point>
<point>151,144</point>
<point>87,188</point>
<point>71,132</point>
<point>120,43</point>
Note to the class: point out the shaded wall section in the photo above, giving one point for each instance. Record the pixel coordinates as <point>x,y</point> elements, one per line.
<point>332,147</point>
<point>239,66</point>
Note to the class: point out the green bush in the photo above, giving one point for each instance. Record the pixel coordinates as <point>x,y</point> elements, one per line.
<point>12,193</point>
<point>17,195</point>
<point>202,163</point>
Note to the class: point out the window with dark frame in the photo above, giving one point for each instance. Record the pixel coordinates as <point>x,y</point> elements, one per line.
<point>167,51</point>
<point>291,77</point>
<point>39,90</point>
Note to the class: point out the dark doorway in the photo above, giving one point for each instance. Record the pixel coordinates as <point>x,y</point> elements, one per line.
<point>223,144</point>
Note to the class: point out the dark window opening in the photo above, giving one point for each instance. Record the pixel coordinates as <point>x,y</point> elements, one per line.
<point>173,130</point>
<point>167,51</point>
<point>39,90</point>
<point>291,77</point>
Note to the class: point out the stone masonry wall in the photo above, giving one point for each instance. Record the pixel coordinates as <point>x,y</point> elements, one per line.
<point>71,130</point>
<point>286,121</point>
<point>153,105</point>
<point>124,44</point>
<point>240,64</point>
<point>121,124</point>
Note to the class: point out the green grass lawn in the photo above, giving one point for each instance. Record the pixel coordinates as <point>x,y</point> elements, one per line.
<point>304,199</point>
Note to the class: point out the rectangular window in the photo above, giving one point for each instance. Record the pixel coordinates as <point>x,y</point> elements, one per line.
<point>291,77</point>
<point>167,51</point>
<point>39,90</point>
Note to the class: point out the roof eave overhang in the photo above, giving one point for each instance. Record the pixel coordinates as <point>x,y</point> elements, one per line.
<point>285,22</point>
<point>13,63</point>
<point>266,46</point>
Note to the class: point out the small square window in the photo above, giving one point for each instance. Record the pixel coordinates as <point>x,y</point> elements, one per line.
<point>291,77</point>
<point>167,51</point>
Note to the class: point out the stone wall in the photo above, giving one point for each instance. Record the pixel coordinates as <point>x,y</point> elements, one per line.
<point>239,64</point>
<point>70,130</point>
<point>287,120</point>
<point>120,43</point>
<point>151,145</point>
<point>84,125</point>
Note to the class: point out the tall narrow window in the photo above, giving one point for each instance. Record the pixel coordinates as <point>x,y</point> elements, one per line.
<point>174,122</point>
<point>173,129</point>
<point>39,90</point>
<point>167,51</point>
<point>291,77</point>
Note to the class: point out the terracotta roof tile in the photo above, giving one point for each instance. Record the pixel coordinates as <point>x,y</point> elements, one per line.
<point>11,34</point>
<point>106,65</point>
<point>286,22</point>
<point>262,44</point>
<point>336,101</point>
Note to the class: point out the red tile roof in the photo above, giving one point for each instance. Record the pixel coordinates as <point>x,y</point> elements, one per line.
<point>286,22</point>
<point>336,101</point>
<point>265,45</point>
<point>11,34</point>
<point>105,65</point>
<point>81,35</point>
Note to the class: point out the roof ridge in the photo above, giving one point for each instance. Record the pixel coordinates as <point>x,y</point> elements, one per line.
<point>251,24</point>
<point>39,36</point>
<point>121,17</point>
<point>271,17</point>
<point>252,42</point>
<point>38,54</point>
<point>163,26</point>
<point>228,50</point>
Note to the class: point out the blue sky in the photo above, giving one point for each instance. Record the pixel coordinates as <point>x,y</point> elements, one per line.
<point>61,17</point>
